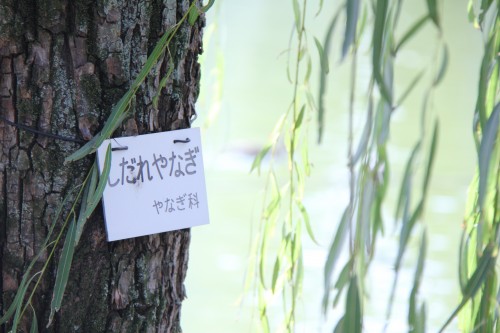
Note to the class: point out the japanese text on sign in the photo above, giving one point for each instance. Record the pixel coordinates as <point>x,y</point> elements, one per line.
<point>137,169</point>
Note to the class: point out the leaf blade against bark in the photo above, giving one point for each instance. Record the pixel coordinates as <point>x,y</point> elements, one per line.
<point>63,269</point>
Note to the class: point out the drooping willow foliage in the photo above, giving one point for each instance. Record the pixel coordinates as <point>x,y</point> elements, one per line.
<point>478,272</point>
<point>284,215</point>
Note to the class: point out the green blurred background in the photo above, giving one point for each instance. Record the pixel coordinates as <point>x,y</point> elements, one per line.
<point>244,91</point>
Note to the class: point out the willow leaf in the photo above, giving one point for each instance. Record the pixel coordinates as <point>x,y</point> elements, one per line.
<point>430,159</point>
<point>207,6</point>
<point>17,303</point>
<point>163,81</point>
<point>404,192</point>
<point>296,13</point>
<point>378,47</point>
<point>411,32</point>
<point>258,159</point>
<point>410,87</point>
<point>433,11</point>
<point>34,323</point>
<point>365,136</point>
<point>323,59</point>
<point>103,180</point>
<point>352,13</point>
<point>485,266</point>
<point>89,190</point>
<point>443,67</point>
<point>353,316</point>
<point>333,255</point>
<point>276,272</point>
<point>193,15</point>
<point>406,229</point>
<point>307,221</point>
<point>322,80</point>
<point>339,328</point>
<point>485,151</point>
<point>63,269</point>
<point>300,117</point>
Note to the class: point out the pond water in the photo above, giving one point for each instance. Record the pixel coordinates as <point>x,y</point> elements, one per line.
<point>248,40</point>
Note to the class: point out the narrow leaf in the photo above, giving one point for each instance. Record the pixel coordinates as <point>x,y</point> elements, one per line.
<point>193,15</point>
<point>334,253</point>
<point>300,117</point>
<point>433,12</point>
<point>258,159</point>
<point>207,6</point>
<point>411,32</point>
<point>404,192</point>
<point>485,151</point>
<point>353,317</point>
<point>365,136</point>
<point>322,80</point>
<point>352,12</point>
<point>307,222</point>
<point>410,87</point>
<point>89,190</point>
<point>323,59</point>
<point>296,13</point>
<point>430,159</point>
<point>276,271</point>
<point>378,47</point>
<point>63,269</point>
<point>34,323</point>
<point>443,67</point>
<point>484,267</point>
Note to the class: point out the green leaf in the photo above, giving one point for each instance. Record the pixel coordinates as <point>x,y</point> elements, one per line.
<point>103,180</point>
<point>334,253</point>
<point>323,59</point>
<point>443,67</point>
<point>63,269</point>
<point>299,119</point>
<point>34,323</point>
<point>352,12</point>
<point>486,148</point>
<point>320,7</point>
<point>411,32</point>
<point>307,222</point>
<point>205,8</point>
<point>296,13</point>
<point>379,43</point>
<point>433,12</point>
<point>484,267</point>
<point>258,159</point>
<point>18,302</point>
<point>339,328</point>
<point>405,233</point>
<point>365,136</point>
<point>322,81</point>
<point>405,191</point>
<point>163,81</point>
<point>342,281</point>
<point>430,159</point>
<point>193,15</point>
<point>353,317</point>
<point>276,272</point>
<point>89,190</point>
<point>410,87</point>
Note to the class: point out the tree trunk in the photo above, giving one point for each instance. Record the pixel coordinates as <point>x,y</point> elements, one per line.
<point>63,65</point>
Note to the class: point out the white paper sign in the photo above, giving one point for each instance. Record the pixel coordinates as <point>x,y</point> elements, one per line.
<point>156,184</point>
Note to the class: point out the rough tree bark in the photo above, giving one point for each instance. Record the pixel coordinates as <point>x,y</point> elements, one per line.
<point>63,65</point>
